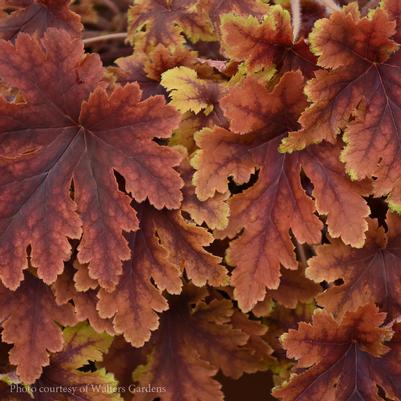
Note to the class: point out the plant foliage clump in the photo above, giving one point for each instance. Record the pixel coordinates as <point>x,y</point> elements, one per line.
<point>194,191</point>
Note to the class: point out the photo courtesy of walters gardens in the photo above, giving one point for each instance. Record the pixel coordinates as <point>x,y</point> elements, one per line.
<point>74,391</point>
<point>200,200</point>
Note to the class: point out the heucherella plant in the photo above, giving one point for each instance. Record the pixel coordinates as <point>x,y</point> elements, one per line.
<point>199,193</point>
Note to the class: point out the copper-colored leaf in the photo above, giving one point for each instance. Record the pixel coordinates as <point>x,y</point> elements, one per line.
<point>134,303</point>
<point>147,68</point>
<point>359,92</point>
<point>165,245</point>
<point>294,288</point>
<point>370,275</point>
<point>189,93</point>
<point>85,303</point>
<point>193,343</point>
<point>217,8</point>
<point>153,22</point>
<point>343,361</point>
<point>266,43</point>
<point>213,211</point>
<point>197,98</point>
<point>51,141</point>
<point>29,317</point>
<point>62,381</point>
<point>35,16</point>
<point>276,203</point>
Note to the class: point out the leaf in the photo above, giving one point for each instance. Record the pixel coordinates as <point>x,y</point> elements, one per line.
<point>10,394</point>
<point>51,142</point>
<point>82,345</point>
<point>186,90</point>
<point>370,274</point>
<point>387,370</point>
<point>214,211</point>
<point>343,361</point>
<point>82,280</point>
<point>35,16</point>
<point>393,10</point>
<point>147,68</point>
<point>279,320</point>
<point>265,43</point>
<point>192,344</point>
<point>189,93</point>
<point>134,303</point>
<point>294,288</point>
<point>216,9</point>
<point>86,9</point>
<point>257,350</point>
<point>161,249</point>
<point>28,318</point>
<point>260,118</point>
<point>186,245</point>
<point>84,302</point>
<point>358,93</point>
<point>122,359</point>
<point>152,22</point>
<point>197,97</point>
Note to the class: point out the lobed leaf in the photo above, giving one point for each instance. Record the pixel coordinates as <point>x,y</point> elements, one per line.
<point>161,249</point>
<point>147,68</point>
<point>343,361</point>
<point>359,93</point>
<point>294,288</point>
<point>276,203</point>
<point>217,9</point>
<point>36,16</point>
<point>78,137</point>
<point>85,302</point>
<point>194,342</point>
<point>82,345</point>
<point>265,43</point>
<point>29,317</point>
<point>153,22</point>
<point>370,274</point>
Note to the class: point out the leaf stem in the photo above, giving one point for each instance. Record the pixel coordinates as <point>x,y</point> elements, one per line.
<point>301,254</point>
<point>109,36</point>
<point>296,13</point>
<point>331,5</point>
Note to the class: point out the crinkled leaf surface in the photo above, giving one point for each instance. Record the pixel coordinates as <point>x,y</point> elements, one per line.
<point>63,133</point>
<point>198,98</point>
<point>189,93</point>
